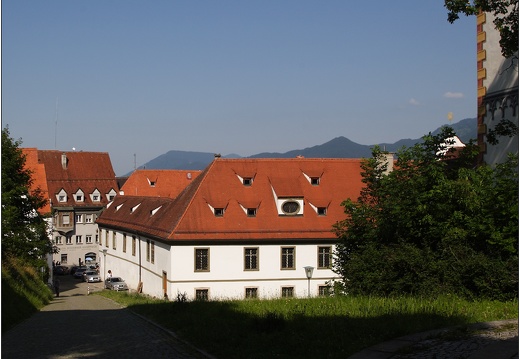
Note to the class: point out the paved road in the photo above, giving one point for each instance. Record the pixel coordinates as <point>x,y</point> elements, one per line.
<point>77,325</point>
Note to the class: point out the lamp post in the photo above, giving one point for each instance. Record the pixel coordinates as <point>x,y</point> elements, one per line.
<point>104,263</point>
<point>308,273</point>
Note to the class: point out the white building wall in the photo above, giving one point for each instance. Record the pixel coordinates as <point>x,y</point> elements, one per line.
<point>226,278</point>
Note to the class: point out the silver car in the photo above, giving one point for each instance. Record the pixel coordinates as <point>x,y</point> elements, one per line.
<point>92,277</point>
<point>115,283</point>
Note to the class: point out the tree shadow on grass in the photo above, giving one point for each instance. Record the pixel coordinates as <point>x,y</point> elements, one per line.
<point>226,331</point>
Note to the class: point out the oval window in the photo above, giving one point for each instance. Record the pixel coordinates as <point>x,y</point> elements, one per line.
<point>290,207</point>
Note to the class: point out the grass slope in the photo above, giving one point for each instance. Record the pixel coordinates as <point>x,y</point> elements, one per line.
<point>331,327</point>
<point>23,292</point>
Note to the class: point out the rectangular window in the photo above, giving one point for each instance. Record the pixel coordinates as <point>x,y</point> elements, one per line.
<point>201,259</point>
<point>124,243</point>
<point>62,199</point>
<point>287,292</point>
<point>79,198</point>
<point>247,181</point>
<point>58,240</point>
<point>250,258</point>
<point>88,239</point>
<point>315,181</point>
<point>79,218</point>
<point>324,257</point>
<point>202,294</point>
<point>95,198</point>
<point>324,291</point>
<point>114,241</point>
<point>152,252</point>
<point>63,258</point>
<point>65,219</point>
<point>251,293</point>
<point>287,258</point>
<point>219,212</point>
<point>251,212</point>
<point>97,238</point>
<point>134,240</point>
<point>68,239</point>
<point>79,240</point>
<point>89,218</point>
<point>147,250</point>
<point>106,238</point>
<point>322,211</point>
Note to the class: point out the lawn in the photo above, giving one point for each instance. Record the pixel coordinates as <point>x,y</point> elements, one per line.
<point>331,327</point>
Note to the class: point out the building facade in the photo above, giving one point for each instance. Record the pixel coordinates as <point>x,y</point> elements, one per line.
<point>497,92</point>
<point>78,186</point>
<point>242,228</point>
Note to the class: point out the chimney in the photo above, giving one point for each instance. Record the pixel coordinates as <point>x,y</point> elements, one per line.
<point>64,161</point>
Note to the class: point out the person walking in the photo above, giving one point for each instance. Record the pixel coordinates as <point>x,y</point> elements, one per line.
<point>109,273</point>
<point>57,287</point>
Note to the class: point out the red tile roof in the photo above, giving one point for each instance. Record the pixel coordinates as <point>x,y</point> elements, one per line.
<point>72,171</point>
<point>39,179</point>
<point>158,183</point>
<point>190,218</point>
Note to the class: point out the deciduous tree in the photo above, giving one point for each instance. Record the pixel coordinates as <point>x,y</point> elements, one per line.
<point>435,224</point>
<point>24,230</point>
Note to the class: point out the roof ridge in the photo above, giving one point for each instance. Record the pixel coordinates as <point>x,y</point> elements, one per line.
<point>192,189</point>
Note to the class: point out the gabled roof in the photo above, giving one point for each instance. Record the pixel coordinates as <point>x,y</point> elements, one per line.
<point>73,171</point>
<point>39,179</point>
<point>158,183</point>
<point>191,216</point>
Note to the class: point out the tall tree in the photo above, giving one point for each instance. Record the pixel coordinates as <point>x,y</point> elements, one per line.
<point>24,230</point>
<point>506,18</point>
<point>435,224</point>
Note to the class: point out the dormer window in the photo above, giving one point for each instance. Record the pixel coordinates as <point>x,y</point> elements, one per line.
<point>62,196</point>
<point>95,196</point>
<point>322,211</point>
<point>79,196</point>
<point>290,207</point>
<point>111,195</point>
<point>219,212</point>
<point>246,180</point>
<point>313,179</point>
<point>251,212</point>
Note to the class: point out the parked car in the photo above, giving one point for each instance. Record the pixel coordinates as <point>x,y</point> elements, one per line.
<point>60,270</point>
<point>115,283</point>
<point>91,276</point>
<point>87,273</point>
<point>79,272</point>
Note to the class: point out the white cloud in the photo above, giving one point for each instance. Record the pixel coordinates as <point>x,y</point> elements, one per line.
<point>454,95</point>
<point>413,102</point>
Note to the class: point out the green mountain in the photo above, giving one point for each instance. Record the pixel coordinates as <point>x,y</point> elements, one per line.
<point>339,147</point>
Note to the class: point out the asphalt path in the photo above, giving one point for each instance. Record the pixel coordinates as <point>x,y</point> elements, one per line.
<point>79,325</point>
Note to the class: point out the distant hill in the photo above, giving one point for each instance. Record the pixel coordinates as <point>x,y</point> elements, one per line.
<point>339,147</point>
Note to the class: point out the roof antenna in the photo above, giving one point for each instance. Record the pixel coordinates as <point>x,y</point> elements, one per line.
<point>56,125</point>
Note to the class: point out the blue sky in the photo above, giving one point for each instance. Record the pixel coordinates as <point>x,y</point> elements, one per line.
<point>145,77</point>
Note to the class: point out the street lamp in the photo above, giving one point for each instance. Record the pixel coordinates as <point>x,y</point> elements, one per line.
<point>308,273</point>
<point>104,263</point>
